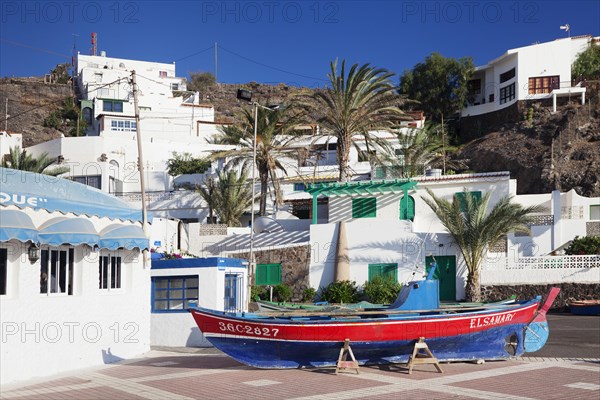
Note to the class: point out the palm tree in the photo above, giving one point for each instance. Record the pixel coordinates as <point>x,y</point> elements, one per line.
<point>420,148</point>
<point>274,136</point>
<point>474,230</point>
<point>232,197</point>
<point>207,192</point>
<point>364,99</point>
<point>19,159</point>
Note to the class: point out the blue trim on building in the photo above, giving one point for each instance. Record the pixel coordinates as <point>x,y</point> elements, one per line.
<point>209,262</point>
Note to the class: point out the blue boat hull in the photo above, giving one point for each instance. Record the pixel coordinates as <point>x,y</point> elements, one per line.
<point>493,344</point>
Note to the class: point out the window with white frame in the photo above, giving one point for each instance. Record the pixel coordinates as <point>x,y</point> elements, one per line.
<point>174,86</point>
<point>56,271</point>
<point>3,270</point>
<point>110,272</point>
<point>120,125</point>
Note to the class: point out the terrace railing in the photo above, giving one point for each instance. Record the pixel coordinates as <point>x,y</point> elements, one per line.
<point>541,270</point>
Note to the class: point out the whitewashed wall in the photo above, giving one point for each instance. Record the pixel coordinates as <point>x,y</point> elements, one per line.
<point>165,232</point>
<point>387,242</point>
<point>44,335</point>
<point>543,59</point>
<point>7,141</point>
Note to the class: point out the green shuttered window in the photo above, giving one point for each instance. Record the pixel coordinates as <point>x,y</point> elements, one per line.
<point>387,270</point>
<point>364,207</point>
<point>268,274</point>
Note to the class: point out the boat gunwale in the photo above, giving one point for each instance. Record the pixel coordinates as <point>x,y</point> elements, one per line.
<point>347,319</point>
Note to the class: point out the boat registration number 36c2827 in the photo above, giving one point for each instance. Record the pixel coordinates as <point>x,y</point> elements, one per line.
<point>248,330</point>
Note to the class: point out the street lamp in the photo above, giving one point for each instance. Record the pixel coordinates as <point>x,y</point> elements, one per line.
<point>246,95</point>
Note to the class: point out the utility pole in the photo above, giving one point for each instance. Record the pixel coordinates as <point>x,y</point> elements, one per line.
<point>140,159</point>
<point>443,147</point>
<point>6,115</point>
<point>216,64</point>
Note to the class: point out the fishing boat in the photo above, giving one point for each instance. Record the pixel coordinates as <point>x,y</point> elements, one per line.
<point>292,339</point>
<point>584,307</point>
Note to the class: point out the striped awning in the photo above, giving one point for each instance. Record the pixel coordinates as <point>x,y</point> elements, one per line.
<point>123,236</point>
<point>16,224</point>
<point>63,230</point>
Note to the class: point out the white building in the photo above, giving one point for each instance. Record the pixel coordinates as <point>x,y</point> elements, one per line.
<point>177,284</point>
<point>74,286</point>
<point>109,163</point>
<point>390,229</point>
<point>538,71</point>
<point>166,108</point>
<point>172,120</point>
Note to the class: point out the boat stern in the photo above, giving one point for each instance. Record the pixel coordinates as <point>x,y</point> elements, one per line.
<point>537,331</point>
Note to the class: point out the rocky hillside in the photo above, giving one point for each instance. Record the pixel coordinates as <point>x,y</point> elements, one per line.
<point>30,101</point>
<point>223,97</point>
<point>543,151</point>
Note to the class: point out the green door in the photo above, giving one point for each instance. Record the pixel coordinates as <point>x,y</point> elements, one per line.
<point>446,274</point>
<point>407,208</point>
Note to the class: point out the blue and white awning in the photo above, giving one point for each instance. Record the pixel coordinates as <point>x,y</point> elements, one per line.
<point>63,230</point>
<point>38,191</point>
<point>27,190</point>
<point>15,224</point>
<point>123,236</point>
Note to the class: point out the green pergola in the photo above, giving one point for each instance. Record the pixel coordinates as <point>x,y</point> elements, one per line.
<point>357,188</point>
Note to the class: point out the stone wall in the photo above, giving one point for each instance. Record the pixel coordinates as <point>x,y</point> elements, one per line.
<point>295,262</point>
<point>592,228</point>
<point>213,229</point>
<point>568,291</point>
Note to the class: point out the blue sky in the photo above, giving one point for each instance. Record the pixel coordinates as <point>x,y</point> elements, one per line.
<point>280,41</point>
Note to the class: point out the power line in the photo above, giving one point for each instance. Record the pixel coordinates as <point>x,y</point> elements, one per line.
<point>271,67</point>
<point>35,48</point>
<point>195,54</point>
<point>155,81</point>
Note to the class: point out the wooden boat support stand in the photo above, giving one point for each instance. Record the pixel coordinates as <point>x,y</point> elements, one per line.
<point>343,365</point>
<point>425,357</point>
<point>420,355</point>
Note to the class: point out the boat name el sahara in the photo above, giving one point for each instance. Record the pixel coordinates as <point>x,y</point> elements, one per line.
<point>495,320</point>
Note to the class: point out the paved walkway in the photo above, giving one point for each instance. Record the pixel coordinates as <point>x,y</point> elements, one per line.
<point>212,375</point>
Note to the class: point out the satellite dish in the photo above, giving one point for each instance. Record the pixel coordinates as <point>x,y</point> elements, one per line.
<point>266,224</point>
